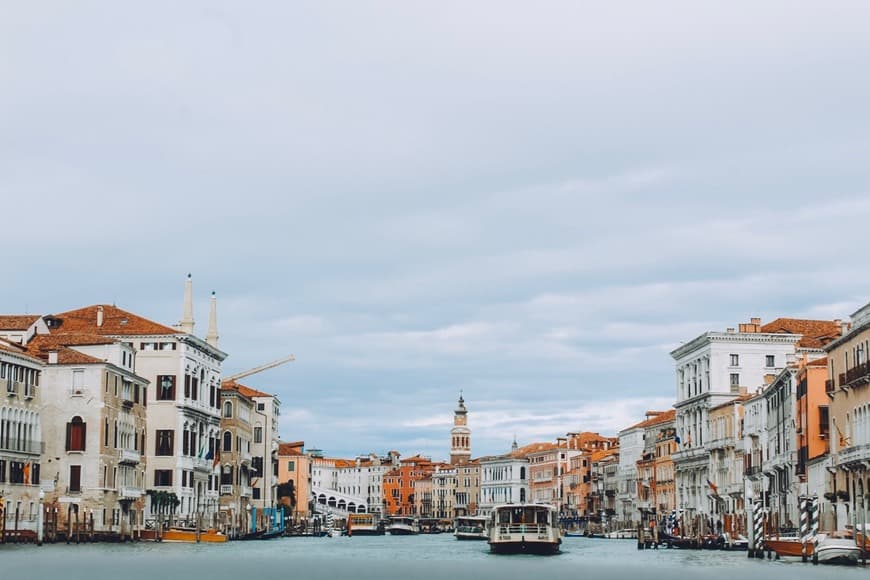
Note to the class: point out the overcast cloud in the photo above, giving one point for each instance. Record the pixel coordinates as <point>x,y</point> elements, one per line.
<point>529,202</point>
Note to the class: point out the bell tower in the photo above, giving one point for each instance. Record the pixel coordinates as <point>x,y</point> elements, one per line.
<point>460,435</point>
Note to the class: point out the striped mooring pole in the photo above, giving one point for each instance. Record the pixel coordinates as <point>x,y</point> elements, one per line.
<point>759,528</point>
<point>804,503</point>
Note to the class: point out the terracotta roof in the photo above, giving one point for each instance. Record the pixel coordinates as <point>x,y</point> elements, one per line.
<point>16,349</point>
<point>246,391</point>
<point>291,448</point>
<point>75,339</point>
<point>42,344</point>
<point>603,453</point>
<point>17,321</point>
<point>819,362</point>
<point>532,448</point>
<point>662,417</point>
<point>815,333</point>
<point>739,399</point>
<point>115,322</point>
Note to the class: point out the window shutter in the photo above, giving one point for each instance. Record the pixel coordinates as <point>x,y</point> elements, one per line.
<point>68,431</point>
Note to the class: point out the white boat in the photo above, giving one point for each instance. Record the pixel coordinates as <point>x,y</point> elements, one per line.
<point>402,526</point>
<point>836,550</point>
<point>470,528</point>
<point>624,534</point>
<point>524,529</point>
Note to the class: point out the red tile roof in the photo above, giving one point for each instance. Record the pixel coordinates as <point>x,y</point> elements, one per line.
<point>246,391</point>
<point>116,322</point>
<point>42,344</point>
<point>532,448</point>
<point>815,333</point>
<point>662,417</point>
<point>17,321</point>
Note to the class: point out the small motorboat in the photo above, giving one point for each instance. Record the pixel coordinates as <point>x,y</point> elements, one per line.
<point>788,546</point>
<point>470,528</point>
<point>624,534</point>
<point>836,549</point>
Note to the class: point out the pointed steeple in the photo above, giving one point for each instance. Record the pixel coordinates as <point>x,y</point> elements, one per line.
<point>186,324</point>
<point>514,445</point>
<point>212,336</point>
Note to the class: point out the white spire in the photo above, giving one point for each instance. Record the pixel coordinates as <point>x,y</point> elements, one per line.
<point>186,323</point>
<point>212,336</point>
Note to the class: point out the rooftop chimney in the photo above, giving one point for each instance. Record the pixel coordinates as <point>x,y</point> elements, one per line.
<point>52,357</point>
<point>755,321</point>
<point>187,323</point>
<point>729,330</point>
<point>99,316</point>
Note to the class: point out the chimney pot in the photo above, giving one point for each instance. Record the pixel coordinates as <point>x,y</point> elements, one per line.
<point>755,321</point>
<point>99,316</point>
<point>729,330</point>
<point>52,357</point>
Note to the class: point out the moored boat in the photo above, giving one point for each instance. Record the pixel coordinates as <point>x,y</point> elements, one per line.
<point>624,534</point>
<point>524,529</point>
<point>402,526</point>
<point>364,525</point>
<point>788,546</point>
<point>830,549</point>
<point>470,528</point>
<point>185,535</point>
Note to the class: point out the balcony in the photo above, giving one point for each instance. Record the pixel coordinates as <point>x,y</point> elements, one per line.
<point>829,386</point>
<point>854,454</point>
<point>245,491</point>
<point>129,456</point>
<point>858,374</point>
<point>245,457</point>
<point>133,493</point>
<point>13,388</point>
<point>30,391</point>
<point>226,489</point>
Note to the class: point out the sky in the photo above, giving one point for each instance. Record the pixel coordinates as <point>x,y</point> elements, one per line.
<point>528,203</point>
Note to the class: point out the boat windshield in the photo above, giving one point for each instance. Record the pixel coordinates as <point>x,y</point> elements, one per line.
<point>523,515</point>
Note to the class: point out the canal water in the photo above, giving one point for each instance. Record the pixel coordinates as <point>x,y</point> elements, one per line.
<point>438,557</point>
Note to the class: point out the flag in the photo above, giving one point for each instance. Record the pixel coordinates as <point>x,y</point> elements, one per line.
<point>202,449</point>
<point>677,439</point>
<point>26,474</point>
<point>713,487</point>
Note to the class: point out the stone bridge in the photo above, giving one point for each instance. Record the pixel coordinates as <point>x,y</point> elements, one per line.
<point>340,504</point>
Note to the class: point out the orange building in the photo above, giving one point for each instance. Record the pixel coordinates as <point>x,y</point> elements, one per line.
<point>293,465</point>
<point>399,485</point>
<point>578,477</point>
<point>655,469</point>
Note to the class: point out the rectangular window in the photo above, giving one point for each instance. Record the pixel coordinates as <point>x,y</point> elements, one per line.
<point>261,406</point>
<point>186,386</point>
<point>291,466</point>
<point>735,379</point>
<point>256,493</point>
<point>78,383</point>
<point>163,477</point>
<point>194,388</point>
<point>824,421</point>
<point>735,360</point>
<point>76,432</point>
<point>164,442</point>
<point>75,478</point>
<point>258,434</point>
<point>166,387</point>
<point>769,360</point>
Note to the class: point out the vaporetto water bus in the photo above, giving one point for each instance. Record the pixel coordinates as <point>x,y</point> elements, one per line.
<point>524,529</point>
<point>401,526</point>
<point>470,528</point>
<point>364,525</point>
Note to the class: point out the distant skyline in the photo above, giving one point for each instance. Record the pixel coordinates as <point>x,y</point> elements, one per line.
<point>532,204</point>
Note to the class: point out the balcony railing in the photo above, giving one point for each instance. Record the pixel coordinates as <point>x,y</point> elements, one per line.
<point>842,379</point>
<point>23,446</point>
<point>30,391</point>
<point>829,386</point>
<point>855,453</point>
<point>125,492</point>
<point>129,456</point>
<point>858,373</point>
<point>226,489</point>
<point>13,387</point>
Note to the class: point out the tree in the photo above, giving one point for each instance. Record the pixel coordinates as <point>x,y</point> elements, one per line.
<point>287,490</point>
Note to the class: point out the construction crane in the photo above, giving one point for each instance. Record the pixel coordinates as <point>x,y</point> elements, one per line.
<point>260,368</point>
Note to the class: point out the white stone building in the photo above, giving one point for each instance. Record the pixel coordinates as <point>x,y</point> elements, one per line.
<point>21,437</point>
<point>183,414</point>
<point>94,425</point>
<point>503,479</point>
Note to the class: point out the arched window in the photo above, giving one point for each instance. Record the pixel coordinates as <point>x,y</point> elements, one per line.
<point>75,434</point>
<point>228,441</point>
<point>522,495</point>
<point>228,410</point>
<point>522,473</point>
